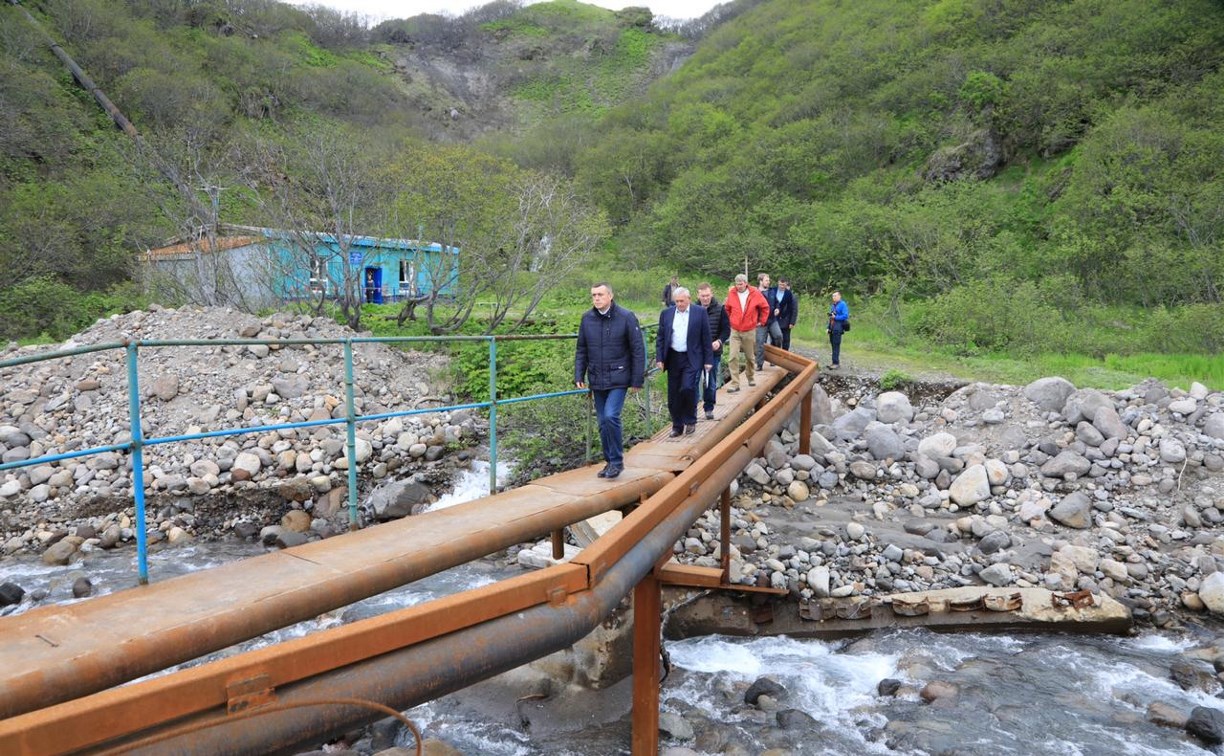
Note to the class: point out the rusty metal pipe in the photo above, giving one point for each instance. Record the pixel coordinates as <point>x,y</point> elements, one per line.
<point>426,671</point>
<point>313,580</point>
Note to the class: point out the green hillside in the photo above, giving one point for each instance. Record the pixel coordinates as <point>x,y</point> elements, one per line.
<point>990,175</point>
<point>1001,171</point>
<point>256,112</point>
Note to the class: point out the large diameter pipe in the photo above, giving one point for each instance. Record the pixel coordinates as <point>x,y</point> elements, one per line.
<point>426,671</point>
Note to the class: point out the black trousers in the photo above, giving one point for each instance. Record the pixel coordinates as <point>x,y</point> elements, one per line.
<point>681,389</point>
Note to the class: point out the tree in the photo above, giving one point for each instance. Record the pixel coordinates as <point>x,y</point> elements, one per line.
<point>319,188</point>
<point>519,232</point>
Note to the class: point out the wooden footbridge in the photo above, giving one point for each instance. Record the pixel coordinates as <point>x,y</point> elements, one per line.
<point>63,669</point>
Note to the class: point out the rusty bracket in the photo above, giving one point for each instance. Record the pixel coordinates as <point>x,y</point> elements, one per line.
<point>1075,600</point>
<point>249,693</point>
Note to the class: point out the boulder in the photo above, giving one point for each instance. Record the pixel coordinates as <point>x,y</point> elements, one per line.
<point>971,486</point>
<point>1049,394</point>
<point>1211,592</point>
<point>1067,462</point>
<point>884,443</point>
<point>764,686</point>
<point>938,445</point>
<point>1206,724</point>
<point>1214,426</point>
<point>11,593</point>
<point>1083,405</point>
<point>1074,511</point>
<point>855,422</point>
<point>1172,451</point>
<point>1106,420</point>
<point>997,574</point>
<point>893,406</point>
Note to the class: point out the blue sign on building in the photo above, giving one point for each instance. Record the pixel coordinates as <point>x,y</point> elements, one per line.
<point>354,258</point>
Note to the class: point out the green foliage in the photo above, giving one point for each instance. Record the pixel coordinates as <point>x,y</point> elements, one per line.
<point>55,310</point>
<point>894,379</point>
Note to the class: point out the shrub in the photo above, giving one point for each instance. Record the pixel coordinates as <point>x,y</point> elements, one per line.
<point>894,379</point>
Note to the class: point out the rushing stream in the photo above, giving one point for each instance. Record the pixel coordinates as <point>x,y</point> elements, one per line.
<point>1016,694</point>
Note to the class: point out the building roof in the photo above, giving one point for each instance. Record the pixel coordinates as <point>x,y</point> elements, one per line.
<point>190,249</point>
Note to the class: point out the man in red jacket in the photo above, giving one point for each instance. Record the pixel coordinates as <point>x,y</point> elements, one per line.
<point>746,310</point>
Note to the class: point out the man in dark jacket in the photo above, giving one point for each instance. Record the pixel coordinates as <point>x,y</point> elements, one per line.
<point>788,311</point>
<point>610,360</point>
<point>771,331</point>
<point>720,331</point>
<point>683,351</point>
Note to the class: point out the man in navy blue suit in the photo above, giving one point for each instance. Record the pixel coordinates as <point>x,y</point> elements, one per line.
<point>682,350</point>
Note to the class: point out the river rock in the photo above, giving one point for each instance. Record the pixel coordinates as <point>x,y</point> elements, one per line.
<point>1167,715</point>
<point>818,581</point>
<point>82,587</point>
<point>59,552</point>
<point>1185,406</point>
<point>1049,394</point>
<point>1073,511</point>
<point>11,593</point>
<point>1083,405</point>
<point>854,422</point>
<point>1211,592</point>
<point>884,443</point>
<point>939,689</point>
<point>795,719</point>
<point>1206,724</point>
<point>994,541</point>
<point>971,486</point>
<point>757,474</point>
<point>999,574</point>
<point>863,470</point>
<point>893,406</point>
<point>1214,426</point>
<point>1106,420</point>
<point>245,466</point>
<point>764,686</point>
<point>798,491</point>
<point>1067,462</point>
<point>675,726</point>
<point>1172,451</point>
<point>937,445</point>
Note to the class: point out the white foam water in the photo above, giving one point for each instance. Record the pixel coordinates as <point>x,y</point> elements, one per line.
<point>472,484</point>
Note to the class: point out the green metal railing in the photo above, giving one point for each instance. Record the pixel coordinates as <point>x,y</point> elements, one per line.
<point>135,446</point>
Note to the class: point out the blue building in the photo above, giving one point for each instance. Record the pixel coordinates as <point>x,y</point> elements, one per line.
<point>264,267</point>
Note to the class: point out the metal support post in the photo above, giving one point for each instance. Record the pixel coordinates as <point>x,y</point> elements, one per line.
<point>805,424</point>
<point>492,414</point>
<point>350,424</point>
<point>724,534</point>
<point>647,630</point>
<point>558,544</point>
<point>137,446</point>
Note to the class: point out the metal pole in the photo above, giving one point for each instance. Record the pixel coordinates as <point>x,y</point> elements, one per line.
<point>558,544</point>
<point>350,421</point>
<point>137,445</point>
<point>805,424</point>
<point>492,414</point>
<point>724,535</point>
<point>646,649</point>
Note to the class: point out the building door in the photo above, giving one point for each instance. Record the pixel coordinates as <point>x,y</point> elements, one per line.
<point>373,285</point>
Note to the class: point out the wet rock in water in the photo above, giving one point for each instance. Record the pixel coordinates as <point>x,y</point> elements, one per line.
<point>764,686</point>
<point>675,726</point>
<point>59,553</point>
<point>795,719</point>
<point>1167,715</point>
<point>1206,724</point>
<point>246,530</point>
<point>11,593</point>
<point>1193,676</point>
<point>888,686</point>
<point>939,689</point>
<point>82,587</point>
